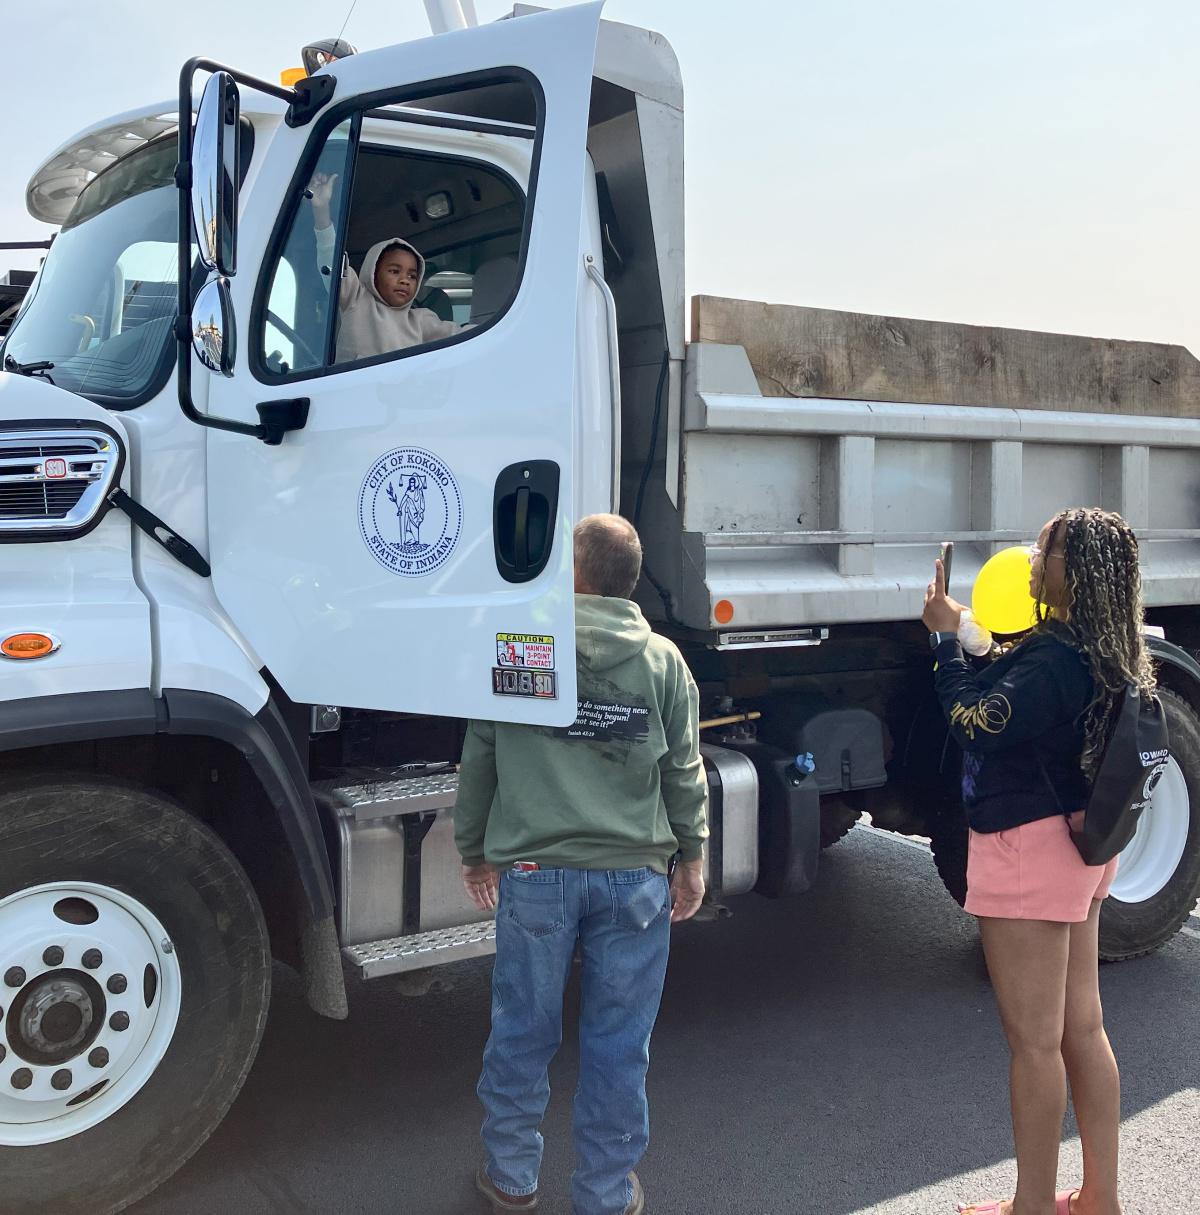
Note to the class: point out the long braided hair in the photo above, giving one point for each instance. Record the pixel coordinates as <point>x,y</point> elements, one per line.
<point>1105,615</point>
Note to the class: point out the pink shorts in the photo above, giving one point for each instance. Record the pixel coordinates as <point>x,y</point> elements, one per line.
<point>1033,872</point>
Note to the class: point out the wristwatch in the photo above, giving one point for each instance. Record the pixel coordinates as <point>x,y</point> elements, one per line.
<point>936,639</point>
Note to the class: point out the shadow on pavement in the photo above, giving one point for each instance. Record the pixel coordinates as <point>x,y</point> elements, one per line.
<point>814,1057</point>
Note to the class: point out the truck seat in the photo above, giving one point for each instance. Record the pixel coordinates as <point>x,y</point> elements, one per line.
<point>491,287</point>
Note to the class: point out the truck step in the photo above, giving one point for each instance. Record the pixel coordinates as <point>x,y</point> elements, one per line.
<point>391,792</point>
<point>423,949</point>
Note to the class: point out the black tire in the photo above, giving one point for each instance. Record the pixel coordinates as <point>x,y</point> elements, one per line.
<point>1129,930</point>
<point>55,829</point>
<point>837,819</point>
<point>948,842</point>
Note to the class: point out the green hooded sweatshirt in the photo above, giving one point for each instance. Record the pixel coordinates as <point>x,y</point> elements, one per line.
<point>621,788</point>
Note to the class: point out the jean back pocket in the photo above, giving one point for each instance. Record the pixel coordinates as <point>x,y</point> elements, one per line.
<point>535,900</point>
<point>640,896</point>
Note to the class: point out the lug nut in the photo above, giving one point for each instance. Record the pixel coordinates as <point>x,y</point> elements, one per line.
<point>22,1078</point>
<point>61,1080</point>
<point>14,976</point>
<point>119,1021</point>
<point>117,984</point>
<point>98,1057</point>
<point>53,956</point>
<point>93,959</point>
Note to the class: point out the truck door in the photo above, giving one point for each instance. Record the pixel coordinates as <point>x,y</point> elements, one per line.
<point>410,548</point>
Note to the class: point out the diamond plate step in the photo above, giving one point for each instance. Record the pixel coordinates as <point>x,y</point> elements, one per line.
<point>423,949</point>
<point>392,794</point>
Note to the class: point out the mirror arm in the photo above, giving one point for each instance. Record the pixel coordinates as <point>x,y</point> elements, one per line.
<point>272,428</point>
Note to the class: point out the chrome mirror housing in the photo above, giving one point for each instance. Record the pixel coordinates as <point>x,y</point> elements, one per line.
<point>214,164</point>
<point>213,332</point>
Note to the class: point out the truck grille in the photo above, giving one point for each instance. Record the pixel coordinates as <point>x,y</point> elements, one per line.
<point>45,501</point>
<point>54,481</point>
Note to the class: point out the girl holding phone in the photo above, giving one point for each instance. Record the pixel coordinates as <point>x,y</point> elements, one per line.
<point>1033,727</point>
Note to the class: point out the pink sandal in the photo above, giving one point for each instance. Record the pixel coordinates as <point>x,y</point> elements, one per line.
<point>1062,1205</point>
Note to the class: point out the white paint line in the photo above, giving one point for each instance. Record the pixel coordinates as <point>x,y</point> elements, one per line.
<point>892,836</point>
<point>1190,932</point>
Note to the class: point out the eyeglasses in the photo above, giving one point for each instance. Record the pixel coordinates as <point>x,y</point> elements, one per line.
<point>1036,550</point>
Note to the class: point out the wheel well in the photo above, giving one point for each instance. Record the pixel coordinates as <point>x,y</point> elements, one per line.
<point>213,781</point>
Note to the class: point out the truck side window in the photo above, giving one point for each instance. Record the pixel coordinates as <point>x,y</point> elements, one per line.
<point>407,234</point>
<point>301,297</point>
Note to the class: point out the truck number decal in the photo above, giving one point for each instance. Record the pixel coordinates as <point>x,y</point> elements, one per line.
<point>510,681</point>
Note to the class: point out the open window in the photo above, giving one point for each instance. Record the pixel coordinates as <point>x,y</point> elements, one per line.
<point>407,231</point>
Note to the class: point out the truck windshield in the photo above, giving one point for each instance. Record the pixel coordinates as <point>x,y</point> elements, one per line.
<point>102,308</point>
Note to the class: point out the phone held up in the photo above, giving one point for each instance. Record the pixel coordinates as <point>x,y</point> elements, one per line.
<point>947,558</point>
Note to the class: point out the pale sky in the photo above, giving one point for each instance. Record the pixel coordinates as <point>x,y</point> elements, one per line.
<point>1029,164</point>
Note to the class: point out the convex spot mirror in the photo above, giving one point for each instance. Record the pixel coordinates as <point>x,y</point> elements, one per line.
<point>215,174</point>
<point>212,326</point>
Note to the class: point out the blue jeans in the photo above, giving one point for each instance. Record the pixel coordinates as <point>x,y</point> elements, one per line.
<point>621,920</point>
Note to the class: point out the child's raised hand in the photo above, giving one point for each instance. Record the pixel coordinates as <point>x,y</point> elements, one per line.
<point>320,189</point>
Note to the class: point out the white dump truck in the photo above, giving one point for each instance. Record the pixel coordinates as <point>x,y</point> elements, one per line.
<point>256,572</point>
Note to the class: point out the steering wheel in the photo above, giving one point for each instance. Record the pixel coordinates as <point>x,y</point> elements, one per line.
<point>292,336</point>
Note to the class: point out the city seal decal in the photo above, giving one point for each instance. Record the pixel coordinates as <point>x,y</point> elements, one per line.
<point>410,512</point>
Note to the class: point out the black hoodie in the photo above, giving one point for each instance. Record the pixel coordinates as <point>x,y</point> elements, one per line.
<point>1020,723</point>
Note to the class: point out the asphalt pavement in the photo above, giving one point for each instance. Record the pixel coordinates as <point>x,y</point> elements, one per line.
<point>837,1054</point>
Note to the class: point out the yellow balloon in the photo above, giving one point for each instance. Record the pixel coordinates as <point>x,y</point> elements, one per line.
<point>1001,601</point>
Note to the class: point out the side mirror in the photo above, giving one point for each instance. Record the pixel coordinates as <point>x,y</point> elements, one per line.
<point>214,163</point>
<point>212,327</point>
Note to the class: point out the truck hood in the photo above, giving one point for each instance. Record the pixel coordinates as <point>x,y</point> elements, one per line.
<point>35,399</point>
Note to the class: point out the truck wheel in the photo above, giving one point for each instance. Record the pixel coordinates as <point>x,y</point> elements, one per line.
<point>948,843</point>
<point>837,819</point>
<point>134,980</point>
<point>1158,878</point>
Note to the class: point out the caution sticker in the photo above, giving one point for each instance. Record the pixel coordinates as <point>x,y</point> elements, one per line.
<point>528,650</point>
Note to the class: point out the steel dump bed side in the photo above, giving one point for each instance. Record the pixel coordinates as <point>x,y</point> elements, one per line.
<point>802,506</point>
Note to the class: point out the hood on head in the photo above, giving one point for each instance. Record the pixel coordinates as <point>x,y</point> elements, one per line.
<point>367,274</point>
<point>608,631</point>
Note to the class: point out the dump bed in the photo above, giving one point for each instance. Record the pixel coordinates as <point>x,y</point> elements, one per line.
<point>823,456</point>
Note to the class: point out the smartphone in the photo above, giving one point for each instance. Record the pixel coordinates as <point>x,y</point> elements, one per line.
<point>947,558</point>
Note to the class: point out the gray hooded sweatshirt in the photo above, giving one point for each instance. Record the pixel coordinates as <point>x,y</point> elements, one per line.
<point>366,325</point>
<point>621,787</point>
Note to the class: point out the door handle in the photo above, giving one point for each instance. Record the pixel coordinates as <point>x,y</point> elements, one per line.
<point>524,509</point>
<point>521,532</point>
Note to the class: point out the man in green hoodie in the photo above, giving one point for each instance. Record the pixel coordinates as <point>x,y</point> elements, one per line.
<point>571,830</point>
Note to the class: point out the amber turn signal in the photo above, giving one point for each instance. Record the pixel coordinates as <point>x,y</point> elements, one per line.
<point>28,645</point>
<point>723,612</point>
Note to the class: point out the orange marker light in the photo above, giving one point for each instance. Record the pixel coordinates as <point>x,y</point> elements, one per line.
<point>723,612</point>
<point>290,77</point>
<point>28,645</point>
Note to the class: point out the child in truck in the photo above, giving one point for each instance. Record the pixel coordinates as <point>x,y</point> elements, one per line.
<point>376,314</point>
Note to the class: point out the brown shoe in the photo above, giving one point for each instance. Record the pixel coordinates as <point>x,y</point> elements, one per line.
<point>637,1200</point>
<point>501,1201</point>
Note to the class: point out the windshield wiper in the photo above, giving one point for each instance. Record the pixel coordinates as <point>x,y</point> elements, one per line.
<point>11,364</point>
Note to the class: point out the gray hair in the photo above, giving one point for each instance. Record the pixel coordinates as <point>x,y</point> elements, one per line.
<point>608,555</point>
